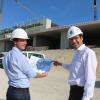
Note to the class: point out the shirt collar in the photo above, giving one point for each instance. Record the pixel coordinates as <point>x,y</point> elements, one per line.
<point>81,47</point>
<point>15,48</point>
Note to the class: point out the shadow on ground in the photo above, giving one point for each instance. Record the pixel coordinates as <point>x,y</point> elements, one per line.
<point>97,84</point>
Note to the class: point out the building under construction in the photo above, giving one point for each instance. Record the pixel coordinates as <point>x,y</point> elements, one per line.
<point>44,34</point>
<point>47,35</point>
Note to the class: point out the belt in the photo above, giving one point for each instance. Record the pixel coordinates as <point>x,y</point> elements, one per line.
<point>19,89</point>
<point>76,86</point>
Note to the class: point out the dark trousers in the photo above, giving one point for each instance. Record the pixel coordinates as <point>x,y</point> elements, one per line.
<point>17,93</point>
<point>76,93</point>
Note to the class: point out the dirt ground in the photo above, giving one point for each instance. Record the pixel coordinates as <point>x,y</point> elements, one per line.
<point>53,87</point>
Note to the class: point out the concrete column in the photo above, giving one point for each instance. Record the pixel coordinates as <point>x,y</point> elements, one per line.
<point>2,46</point>
<point>34,41</point>
<point>64,42</point>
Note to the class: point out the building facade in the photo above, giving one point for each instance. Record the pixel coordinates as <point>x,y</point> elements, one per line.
<point>44,34</point>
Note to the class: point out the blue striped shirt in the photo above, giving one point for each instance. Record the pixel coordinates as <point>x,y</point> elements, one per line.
<point>18,69</point>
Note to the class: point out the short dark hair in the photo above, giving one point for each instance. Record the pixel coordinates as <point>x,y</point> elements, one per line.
<point>15,39</point>
<point>80,35</point>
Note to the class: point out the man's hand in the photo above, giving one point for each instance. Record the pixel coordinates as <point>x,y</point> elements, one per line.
<point>40,75</point>
<point>56,63</point>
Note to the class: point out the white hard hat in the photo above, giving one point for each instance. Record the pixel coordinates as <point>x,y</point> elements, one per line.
<point>19,33</point>
<point>73,31</point>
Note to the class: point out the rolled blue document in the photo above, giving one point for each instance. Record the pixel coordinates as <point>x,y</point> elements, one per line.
<point>44,64</point>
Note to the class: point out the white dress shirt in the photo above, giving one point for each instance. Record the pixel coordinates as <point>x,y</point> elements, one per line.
<point>83,70</point>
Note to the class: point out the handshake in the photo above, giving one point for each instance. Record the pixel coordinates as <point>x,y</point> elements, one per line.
<point>56,63</point>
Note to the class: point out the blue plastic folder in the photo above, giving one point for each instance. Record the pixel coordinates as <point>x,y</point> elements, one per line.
<point>44,64</point>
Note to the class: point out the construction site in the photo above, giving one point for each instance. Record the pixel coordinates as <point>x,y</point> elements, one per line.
<point>50,39</point>
<point>44,34</point>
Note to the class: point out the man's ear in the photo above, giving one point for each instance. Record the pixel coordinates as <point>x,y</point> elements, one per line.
<point>14,42</point>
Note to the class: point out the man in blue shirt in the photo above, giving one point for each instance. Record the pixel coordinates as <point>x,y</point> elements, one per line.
<point>18,69</point>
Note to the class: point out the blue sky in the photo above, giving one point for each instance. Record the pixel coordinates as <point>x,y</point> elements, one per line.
<point>62,12</point>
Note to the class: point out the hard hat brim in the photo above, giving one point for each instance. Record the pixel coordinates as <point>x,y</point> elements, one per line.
<point>11,39</point>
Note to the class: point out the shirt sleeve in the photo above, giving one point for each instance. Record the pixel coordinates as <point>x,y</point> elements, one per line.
<point>90,64</point>
<point>66,66</point>
<point>27,68</point>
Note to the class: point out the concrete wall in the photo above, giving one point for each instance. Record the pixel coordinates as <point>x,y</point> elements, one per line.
<point>5,45</point>
<point>1,46</point>
<point>41,41</point>
<point>65,56</point>
<point>63,41</point>
<point>8,45</point>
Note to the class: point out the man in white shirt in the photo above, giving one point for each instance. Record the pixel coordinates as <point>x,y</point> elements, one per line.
<point>82,69</point>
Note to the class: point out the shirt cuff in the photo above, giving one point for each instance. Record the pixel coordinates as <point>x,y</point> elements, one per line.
<point>86,98</point>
